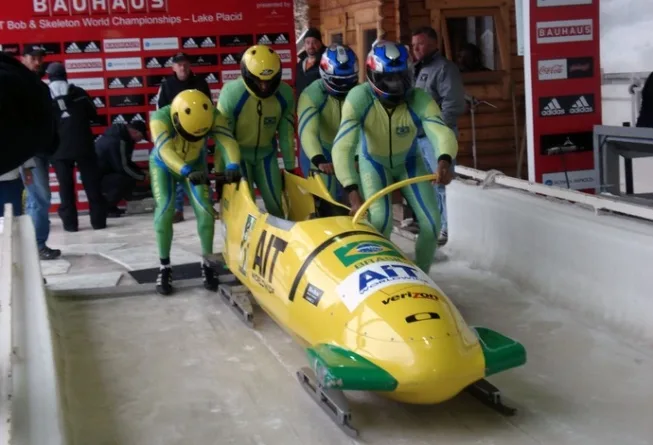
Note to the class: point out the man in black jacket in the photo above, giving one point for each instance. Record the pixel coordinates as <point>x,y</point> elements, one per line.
<point>182,79</point>
<point>114,150</point>
<point>308,67</point>
<point>74,112</point>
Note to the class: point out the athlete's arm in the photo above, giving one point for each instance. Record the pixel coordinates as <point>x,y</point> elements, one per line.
<point>162,137</point>
<point>225,139</point>
<point>286,128</point>
<point>224,126</point>
<point>345,143</point>
<point>309,126</point>
<point>442,138</point>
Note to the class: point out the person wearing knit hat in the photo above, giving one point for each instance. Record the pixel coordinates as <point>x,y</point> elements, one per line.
<point>308,67</point>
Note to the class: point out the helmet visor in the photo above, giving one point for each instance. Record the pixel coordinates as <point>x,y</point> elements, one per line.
<point>341,84</point>
<point>393,84</point>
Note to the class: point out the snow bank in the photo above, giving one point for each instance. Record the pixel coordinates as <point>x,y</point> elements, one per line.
<point>599,265</point>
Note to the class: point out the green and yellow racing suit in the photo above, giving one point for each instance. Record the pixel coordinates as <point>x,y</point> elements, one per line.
<point>171,161</point>
<point>385,141</point>
<point>255,122</point>
<point>319,119</point>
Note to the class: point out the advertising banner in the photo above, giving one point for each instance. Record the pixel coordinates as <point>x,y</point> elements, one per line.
<point>563,91</point>
<point>120,51</point>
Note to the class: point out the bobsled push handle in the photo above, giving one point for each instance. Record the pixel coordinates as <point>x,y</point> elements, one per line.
<point>391,188</point>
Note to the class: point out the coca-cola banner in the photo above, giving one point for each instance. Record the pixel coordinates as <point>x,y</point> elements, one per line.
<point>562,69</point>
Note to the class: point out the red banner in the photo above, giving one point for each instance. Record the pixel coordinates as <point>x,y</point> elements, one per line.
<point>563,71</point>
<point>120,50</point>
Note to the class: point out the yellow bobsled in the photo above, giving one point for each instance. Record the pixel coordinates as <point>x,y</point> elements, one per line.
<point>369,318</point>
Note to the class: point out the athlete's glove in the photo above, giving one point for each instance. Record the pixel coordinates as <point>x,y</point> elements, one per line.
<point>197,177</point>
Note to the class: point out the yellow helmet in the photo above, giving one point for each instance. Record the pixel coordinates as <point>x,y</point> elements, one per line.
<point>192,114</point>
<point>260,67</point>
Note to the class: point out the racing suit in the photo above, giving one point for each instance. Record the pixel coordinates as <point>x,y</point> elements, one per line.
<point>319,119</point>
<point>171,161</point>
<point>254,122</point>
<point>386,143</point>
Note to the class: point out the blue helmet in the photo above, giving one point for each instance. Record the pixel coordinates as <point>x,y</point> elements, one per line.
<point>389,71</point>
<point>339,69</point>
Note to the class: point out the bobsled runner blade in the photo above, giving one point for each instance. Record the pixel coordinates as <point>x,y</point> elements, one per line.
<point>236,296</point>
<point>332,401</point>
<point>490,395</point>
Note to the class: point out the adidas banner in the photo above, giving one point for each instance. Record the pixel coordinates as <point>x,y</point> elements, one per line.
<point>121,52</point>
<point>563,89</point>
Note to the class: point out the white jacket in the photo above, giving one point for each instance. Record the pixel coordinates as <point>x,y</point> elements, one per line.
<point>15,173</point>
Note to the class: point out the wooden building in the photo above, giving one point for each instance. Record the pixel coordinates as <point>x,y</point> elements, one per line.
<point>489,24</point>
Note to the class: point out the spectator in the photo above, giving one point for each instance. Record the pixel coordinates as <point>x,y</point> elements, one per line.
<point>470,59</point>
<point>38,187</point>
<point>74,112</point>
<point>645,118</point>
<point>182,79</point>
<point>26,119</point>
<point>11,187</point>
<point>114,150</point>
<point>308,67</point>
<point>441,78</point>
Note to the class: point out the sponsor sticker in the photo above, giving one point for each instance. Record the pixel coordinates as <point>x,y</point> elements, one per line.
<point>50,48</point>
<point>155,81</point>
<point>203,59</point>
<point>554,144</point>
<point>284,55</point>
<point>230,59</point>
<point>122,45</point>
<point>552,69</point>
<point>578,179</point>
<point>410,296</point>
<point>213,77</point>
<point>125,82</point>
<point>99,102</point>
<point>549,3</point>
<point>158,62</point>
<point>83,65</point>
<point>129,100</point>
<point>579,67</point>
<point>313,294</point>
<point>101,120</point>
<point>141,155</point>
<point>160,43</point>
<point>281,38</point>
<point>97,7</point>
<point>565,31</point>
<point>372,278</point>
<point>198,42</point>
<point>215,95</point>
<point>127,118</point>
<point>236,40</point>
<point>89,84</point>
<point>286,74</point>
<point>228,75</point>
<point>10,48</point>
<point>82,47</point>
<point>566,105</point>
<point>123,64</point>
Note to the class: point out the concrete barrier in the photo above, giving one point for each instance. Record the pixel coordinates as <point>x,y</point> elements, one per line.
<point>31,405</point>
<point>577,257</point>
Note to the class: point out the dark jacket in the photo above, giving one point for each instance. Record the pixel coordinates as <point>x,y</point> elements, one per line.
<point>172,86</point>
<point>114,150</point>
<point>645,118</point>
<point>26,118</point>
<point>305,78</point>
<point>74,113</point>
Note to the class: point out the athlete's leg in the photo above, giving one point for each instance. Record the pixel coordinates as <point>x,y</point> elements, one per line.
<point>163,188</point>
<point>375,177</point>
<point>423,201</point>
<point>305,164</point>
<point>247,170</point>
<point>200,200</point>
<point>268,180</point>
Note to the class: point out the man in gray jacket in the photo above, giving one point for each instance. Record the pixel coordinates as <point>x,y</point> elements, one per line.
<point>441,78</point>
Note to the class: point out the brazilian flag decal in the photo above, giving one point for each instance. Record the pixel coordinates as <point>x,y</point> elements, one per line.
<point>357,251</point>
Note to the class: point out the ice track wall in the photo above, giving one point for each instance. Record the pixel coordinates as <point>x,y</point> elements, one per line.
<point>30,408</point>
<point>596,263</point>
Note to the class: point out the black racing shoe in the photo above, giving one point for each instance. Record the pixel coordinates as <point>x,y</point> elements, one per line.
<point>444,237</point>
<point>49,254</point>
<point>164,280</point>
<point>210,280</point>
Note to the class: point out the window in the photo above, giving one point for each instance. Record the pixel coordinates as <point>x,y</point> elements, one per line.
<point>473,43</point>
<point>337,38</point>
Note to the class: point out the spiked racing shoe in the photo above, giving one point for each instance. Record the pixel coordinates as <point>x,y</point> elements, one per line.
<point>208,275</point>
<point>164,280</point>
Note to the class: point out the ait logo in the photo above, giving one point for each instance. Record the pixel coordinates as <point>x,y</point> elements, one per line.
<point>358,251</point>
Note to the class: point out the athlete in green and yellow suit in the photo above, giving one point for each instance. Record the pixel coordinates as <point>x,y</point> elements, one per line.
<point>380,123</point>
<point>258,106</point>
<point>319,110</point>
<point>179,132</point>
